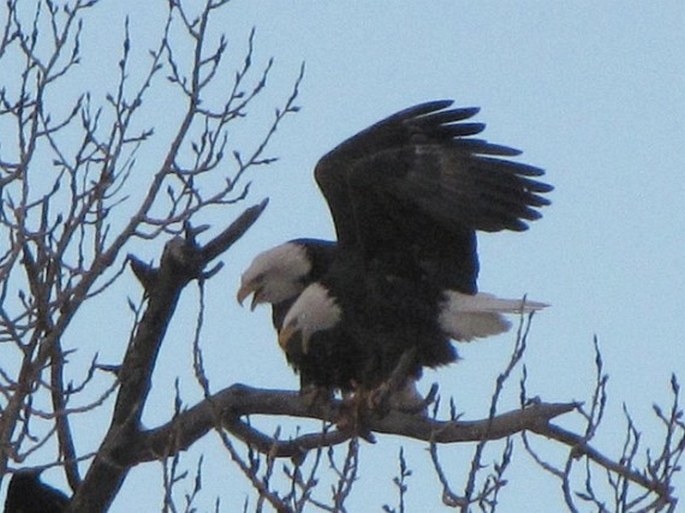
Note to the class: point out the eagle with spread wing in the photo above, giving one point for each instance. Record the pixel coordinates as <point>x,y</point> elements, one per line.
<point>407,196</point>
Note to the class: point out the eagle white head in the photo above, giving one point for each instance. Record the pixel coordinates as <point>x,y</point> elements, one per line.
<point>275,275</point>
<point>314,310</point>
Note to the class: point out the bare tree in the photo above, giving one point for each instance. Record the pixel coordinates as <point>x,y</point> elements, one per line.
<point>78,194</point>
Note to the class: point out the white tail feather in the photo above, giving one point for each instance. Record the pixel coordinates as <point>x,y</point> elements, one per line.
<point>465,317</point>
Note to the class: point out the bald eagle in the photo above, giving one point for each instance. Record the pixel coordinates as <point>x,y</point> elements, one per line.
<point>407,196</point>
<point>27,494</point>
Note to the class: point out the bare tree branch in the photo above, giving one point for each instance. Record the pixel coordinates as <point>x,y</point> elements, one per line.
<point>182,261</point>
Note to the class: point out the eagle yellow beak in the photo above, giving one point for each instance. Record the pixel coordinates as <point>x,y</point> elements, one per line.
<point>245,290</point>
<point>285,334</point>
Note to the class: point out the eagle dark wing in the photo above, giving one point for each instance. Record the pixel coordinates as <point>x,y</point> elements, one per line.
<point>333,170</point>
<point>449,183</point>
<point>419,184</point>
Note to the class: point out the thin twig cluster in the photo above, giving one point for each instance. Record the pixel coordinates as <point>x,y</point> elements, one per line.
<point>71,174</point>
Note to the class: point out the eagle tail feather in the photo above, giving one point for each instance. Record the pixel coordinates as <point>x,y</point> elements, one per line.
<point>466,317</point>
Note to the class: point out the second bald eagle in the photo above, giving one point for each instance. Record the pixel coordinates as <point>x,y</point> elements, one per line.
<point>407,196</point>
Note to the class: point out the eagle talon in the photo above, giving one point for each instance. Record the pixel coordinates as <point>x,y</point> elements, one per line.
<point>379,400</point>
<point>354,415</point>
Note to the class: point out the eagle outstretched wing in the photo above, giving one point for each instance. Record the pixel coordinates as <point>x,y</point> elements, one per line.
<point>420,183</point>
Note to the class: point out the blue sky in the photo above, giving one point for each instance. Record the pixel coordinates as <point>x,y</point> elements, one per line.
<point>594,92</point>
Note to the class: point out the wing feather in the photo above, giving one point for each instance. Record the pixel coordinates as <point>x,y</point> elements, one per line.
<point>419,177</point>
<point>423,122</point>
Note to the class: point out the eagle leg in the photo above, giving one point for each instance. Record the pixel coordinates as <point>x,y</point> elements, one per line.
<point>354,413</point>
<point>399,392</point>
<point>315,396</point>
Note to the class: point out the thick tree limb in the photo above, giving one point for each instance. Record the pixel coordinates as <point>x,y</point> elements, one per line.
<point>182,261</point>
<point>238,400</point>
<point>227,406</point>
